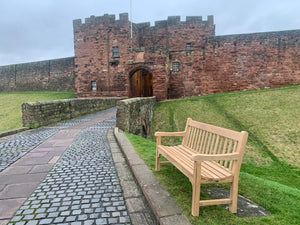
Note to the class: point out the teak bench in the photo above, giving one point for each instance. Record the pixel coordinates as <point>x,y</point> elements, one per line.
<point>208,154</point>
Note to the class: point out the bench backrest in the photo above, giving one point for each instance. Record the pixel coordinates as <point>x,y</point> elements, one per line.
<point>208,139</point>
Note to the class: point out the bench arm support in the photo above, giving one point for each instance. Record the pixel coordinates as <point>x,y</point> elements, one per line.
<point>169,134</point>
<point>215,157</point>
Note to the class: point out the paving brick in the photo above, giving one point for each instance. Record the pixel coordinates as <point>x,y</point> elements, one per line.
<point>46,221</point>
<point>28,217</point>
<point>16,218</point>
<point>41,216</point>
<point>59,220</point>
<point>70,218</point>
<point>28,211</point>
<point>53,214</point>
<point>83,217</point>
<point>76,212</point>
<point>20,223</point>
<point>101,221</point>
<point>40,210</point>
<point>76,223</point>
<point>89,222</point>
<point>32,222</point>
<point>65,213</point>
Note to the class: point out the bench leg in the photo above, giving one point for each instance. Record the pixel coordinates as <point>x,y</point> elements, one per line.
<point>234,195</point>
<point>157,164</point>
<point>195,200</point>
<point>196,185</point>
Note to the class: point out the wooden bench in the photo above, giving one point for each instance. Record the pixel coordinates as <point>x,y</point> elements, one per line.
<point>208,154</point>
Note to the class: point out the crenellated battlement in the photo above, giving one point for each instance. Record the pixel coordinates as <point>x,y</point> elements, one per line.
<point>107,19</point>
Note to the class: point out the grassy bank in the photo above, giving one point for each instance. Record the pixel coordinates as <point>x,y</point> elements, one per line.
<point>10,105</point>
<point>270,174</point>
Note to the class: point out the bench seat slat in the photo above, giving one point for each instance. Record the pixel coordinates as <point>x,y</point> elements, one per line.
<point>178,153</point>
<point>182,155</point>
<point>219,173</point>
<point>168,153</point>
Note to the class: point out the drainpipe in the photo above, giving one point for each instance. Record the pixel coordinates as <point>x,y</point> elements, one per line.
<point>108,74</point>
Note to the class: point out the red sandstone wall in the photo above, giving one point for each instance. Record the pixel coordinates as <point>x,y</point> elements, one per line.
<point>94,61</point>
<point>237,62</point>
<point>174,34</point>
<point>252,61</point>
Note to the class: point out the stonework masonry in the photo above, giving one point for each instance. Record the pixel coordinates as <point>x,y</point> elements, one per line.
<point>175,58</point>
<point>135,115</point>
<point>49,75</point>
<point>36,114</point>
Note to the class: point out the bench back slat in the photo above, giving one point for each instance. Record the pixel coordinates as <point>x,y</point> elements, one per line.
<point>208,139</point>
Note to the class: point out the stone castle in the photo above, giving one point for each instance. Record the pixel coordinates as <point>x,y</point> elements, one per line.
<point>172,59</point>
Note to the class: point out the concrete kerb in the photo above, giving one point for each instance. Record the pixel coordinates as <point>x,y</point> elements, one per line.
<point>138,208</point>
<point>14,131</point>
<point>163,205</point>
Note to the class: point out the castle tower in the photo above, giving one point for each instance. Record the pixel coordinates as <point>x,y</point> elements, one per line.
<point>108,62</point>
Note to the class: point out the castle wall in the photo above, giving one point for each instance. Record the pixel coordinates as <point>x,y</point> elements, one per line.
<point>50,75</point>
<point>251,61</point>
<point>236,62</point>
<point>174,33</point>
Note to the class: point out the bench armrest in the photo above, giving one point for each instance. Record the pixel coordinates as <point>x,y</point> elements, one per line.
<point>169,134</point>
<point>216,157</point>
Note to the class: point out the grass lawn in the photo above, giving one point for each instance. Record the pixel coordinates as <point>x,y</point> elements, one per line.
<point>11,102</point>
<point>270,174</point>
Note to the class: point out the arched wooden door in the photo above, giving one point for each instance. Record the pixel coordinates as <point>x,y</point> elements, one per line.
<point>141,83</point>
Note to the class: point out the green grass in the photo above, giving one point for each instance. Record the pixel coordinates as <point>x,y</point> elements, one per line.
<point>270,174</point>
<point>11,102</point>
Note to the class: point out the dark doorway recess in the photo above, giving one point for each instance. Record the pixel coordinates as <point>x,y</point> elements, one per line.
<point>141,83</point>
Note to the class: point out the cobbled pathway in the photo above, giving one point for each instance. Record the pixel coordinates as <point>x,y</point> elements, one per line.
<point>82,187</point>
<point>15,146</point>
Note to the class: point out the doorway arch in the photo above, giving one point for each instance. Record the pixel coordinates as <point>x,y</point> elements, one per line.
<point>141,83</point>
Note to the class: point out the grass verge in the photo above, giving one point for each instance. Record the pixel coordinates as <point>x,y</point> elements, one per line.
<point>270,174</point>
<point>11,102</point>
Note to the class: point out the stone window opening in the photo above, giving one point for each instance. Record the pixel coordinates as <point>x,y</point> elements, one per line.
<point>175,66</point>
<point>188,46</point>
<point>188,49</point>
<point>93,86</point>
<point>115,51</point>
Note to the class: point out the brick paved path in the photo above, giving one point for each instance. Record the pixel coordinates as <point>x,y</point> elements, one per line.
<point>81,188</point>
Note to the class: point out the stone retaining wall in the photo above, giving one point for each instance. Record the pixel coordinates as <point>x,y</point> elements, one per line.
<point>135,115</point>
<point>36,114</point>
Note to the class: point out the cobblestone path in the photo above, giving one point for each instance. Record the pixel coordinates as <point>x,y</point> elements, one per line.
<point>82,187</point>
<point>15,146</point>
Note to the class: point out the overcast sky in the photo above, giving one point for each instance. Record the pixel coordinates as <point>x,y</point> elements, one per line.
<point>34,30</point>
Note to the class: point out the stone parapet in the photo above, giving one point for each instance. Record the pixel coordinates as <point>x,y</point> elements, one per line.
<point>135,115</point>
<point>36,114</point>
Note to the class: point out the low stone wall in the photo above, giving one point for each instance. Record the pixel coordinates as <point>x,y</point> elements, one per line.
<point>134,115</point>
<point>36,114</point>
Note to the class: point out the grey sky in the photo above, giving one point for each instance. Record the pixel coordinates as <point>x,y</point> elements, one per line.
<point>33,30</point>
